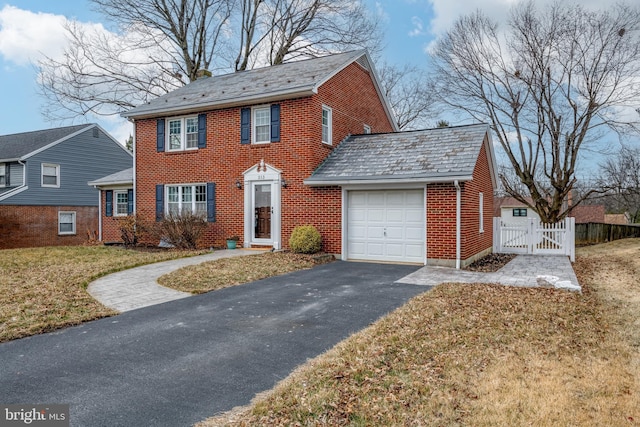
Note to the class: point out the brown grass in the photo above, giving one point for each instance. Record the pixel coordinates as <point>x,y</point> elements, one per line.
<point>481,355</point>
<point>43,289</point>
<point>227,272</point>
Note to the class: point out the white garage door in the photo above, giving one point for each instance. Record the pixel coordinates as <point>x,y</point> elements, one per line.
<point>386,225</point>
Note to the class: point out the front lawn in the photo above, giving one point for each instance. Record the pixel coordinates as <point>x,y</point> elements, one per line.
<point>481,355</point>
<point>43,289</point>
<point>225,272</point>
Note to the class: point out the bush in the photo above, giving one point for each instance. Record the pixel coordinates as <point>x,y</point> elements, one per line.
<point>305,239</point>
<point>132,229</point>
<point>183,230</point>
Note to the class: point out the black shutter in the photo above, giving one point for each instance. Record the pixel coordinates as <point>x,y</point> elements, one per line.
<point>245,126</point>
<point>211,202</point>
<point>130,201</point>
<point>275,123</point>
<point>159,202</point>
<point>202,131</point>
<point>160,135</point>
<point>108,195</point>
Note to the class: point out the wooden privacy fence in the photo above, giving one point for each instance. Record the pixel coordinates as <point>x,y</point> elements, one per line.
<point>535,238</point>
<point>595,232</point>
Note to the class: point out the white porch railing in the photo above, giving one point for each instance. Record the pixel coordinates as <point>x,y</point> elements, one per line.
<point>533,237</point>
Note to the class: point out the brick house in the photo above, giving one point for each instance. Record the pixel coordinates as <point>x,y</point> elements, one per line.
<point>313,142</point>
<point>44,197</point>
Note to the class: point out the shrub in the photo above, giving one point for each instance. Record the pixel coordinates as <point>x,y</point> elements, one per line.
<point>305,239</point>
<point>182,230</point>
<point>132,229</point>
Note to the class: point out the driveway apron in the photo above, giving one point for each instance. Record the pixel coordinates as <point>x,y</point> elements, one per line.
<point>176,363</point>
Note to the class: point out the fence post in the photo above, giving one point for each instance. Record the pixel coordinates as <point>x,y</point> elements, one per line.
<point>531,236</point>
<point>496,235</point>
<point>571,237</point>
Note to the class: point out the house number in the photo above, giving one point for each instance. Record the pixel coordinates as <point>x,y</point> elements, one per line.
<point>261,176</point>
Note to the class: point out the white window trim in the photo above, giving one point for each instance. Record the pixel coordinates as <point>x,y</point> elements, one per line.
<point>254,124</point>
<point>193,202</point>
<point>183,133</point>
<point>481,211</point>
<point>67,233</point>
<point>329,125</point>
<point>50,165</point>
<point>367,129</point>
<point>115,202</point>
<point>3,172</point>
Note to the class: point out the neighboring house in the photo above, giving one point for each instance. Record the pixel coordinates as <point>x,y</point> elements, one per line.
<point>513,211</point>
<point>588,213</point>
<point>621,218</point>
<point>44,197</point>
<point>311,142</point>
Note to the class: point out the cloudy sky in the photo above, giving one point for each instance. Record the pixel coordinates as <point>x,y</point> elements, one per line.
<point>30,27</point>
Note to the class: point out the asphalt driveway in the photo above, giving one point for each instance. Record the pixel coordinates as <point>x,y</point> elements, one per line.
<point>177,363</point>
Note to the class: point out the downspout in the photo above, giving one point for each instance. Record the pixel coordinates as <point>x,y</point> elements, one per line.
<point>458,200</point>
<point>135,144</point>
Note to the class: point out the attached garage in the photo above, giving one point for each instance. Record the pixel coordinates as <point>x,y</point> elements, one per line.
<point>386,225</point>
<point>422,197</point>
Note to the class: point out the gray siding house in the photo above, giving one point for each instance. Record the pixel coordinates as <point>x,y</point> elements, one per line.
<point>44,196</point>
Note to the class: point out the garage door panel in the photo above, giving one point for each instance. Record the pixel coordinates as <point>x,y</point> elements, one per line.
<point>386,225</point>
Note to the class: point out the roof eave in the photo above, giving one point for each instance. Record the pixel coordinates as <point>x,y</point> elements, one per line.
<point>382,180</point>
<point>227,103</point>
<point>109,183</point>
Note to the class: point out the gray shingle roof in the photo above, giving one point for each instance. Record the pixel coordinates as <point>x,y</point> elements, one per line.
<point>18,145</point>
<point>441,154</point>
<point>122,177</point>
<point>242,88</point>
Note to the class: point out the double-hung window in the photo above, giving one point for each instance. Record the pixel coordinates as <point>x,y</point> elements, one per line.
<point>262,125</point>
<point>122,203</point>
<point>326,125</point>
<point>182,133</point>
<point>66,222</point>
<point>187,198</point>
<point>3,175</point>
<point>50,175</point>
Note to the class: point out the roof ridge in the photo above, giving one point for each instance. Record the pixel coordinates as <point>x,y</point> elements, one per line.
<point>50,129</point>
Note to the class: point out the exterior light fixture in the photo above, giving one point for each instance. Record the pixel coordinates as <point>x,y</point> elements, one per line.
<point>284,183</point>
<point>238,185</point>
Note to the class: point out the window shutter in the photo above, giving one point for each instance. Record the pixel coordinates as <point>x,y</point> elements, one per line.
<point>130,201</point>
<point>159,202</point>
<point>245,126</point>
<point>108,195</point>
<point>7,174</point>
<point>275,123</point>
<point>211,202</point>
<point>202,131</point>
<point>160,135</point>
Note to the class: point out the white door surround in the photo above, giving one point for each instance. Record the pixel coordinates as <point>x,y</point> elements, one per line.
<point>260,181</point>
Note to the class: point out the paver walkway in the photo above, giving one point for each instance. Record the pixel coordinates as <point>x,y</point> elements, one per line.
<point>523,270</point>
<point>138,287</point>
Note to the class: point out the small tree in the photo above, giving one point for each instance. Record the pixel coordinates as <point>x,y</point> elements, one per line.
<point>620,179</point>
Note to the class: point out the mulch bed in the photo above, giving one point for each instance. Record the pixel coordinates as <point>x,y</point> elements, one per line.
<point>490,263</point>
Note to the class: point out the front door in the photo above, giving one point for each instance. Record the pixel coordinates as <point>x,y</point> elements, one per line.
<point>262,210</point>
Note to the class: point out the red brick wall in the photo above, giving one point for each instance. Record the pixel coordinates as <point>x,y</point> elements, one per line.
<point>32,226</point>
<point>473,241</point>
<point>441,221</point>
<point>441,215</point>
<point>352,97</point>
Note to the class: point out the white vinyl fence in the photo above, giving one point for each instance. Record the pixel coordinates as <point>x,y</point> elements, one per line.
<point>533,237</point>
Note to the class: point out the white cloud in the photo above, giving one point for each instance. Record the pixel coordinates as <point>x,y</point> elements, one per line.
<point>25,35</point>
<point>446,12</point>
<point>418,27</point>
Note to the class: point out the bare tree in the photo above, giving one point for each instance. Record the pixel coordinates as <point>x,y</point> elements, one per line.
<point>275,31</point>
<point>553,82</point>
<point>410,94</point>
<point>620,179</point>
<point>163,44</point>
